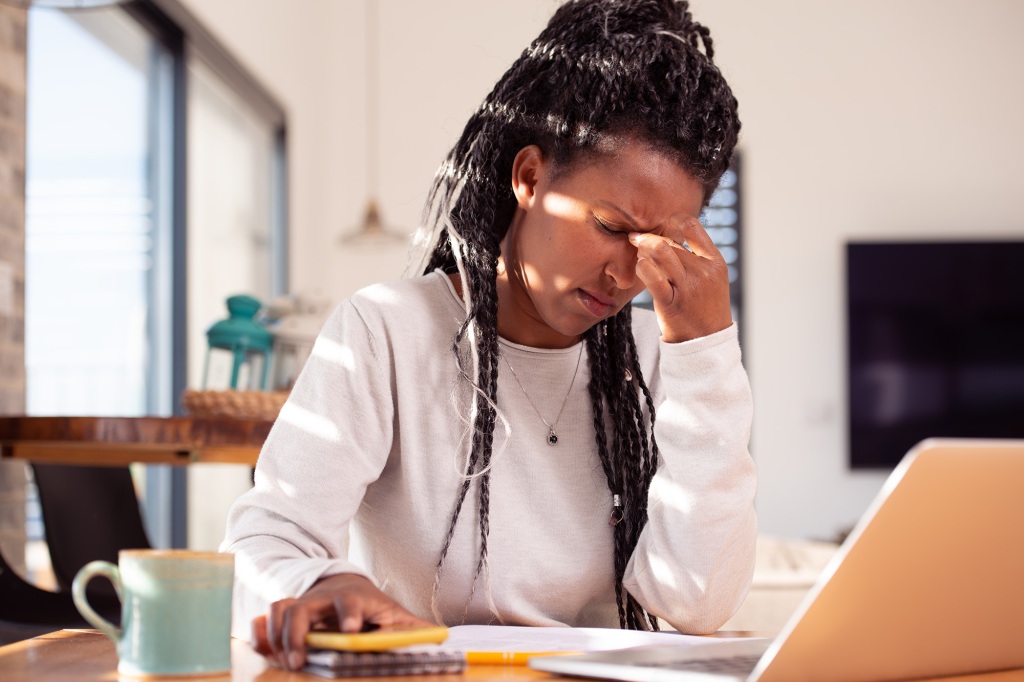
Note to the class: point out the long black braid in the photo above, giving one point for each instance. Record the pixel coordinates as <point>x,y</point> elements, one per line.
<point>600,69</point>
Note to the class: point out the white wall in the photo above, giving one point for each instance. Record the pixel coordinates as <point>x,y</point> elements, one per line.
<point>874,119</point>
<point>861,120</point>
<point>437,61</point>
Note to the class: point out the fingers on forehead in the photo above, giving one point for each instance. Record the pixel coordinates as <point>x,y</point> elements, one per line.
<point>688,229</point>
<point>681,227</point>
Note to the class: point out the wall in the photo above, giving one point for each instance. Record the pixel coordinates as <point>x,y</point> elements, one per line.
<point>12,271</point>
<point>313,57</point>
<point>873,119</point>
<point>862,120</point>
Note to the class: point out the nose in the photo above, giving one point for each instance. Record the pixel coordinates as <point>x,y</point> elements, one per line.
<point>621,266</point>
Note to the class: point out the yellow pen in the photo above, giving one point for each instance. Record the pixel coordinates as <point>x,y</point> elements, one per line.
<point>508,657</point>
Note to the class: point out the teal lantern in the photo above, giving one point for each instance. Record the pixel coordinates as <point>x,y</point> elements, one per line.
<point>238,353</point>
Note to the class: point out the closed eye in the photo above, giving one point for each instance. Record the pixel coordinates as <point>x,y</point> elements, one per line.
<point>610,229</point>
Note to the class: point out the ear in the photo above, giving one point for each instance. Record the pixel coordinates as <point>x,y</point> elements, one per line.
<point>527,169</point>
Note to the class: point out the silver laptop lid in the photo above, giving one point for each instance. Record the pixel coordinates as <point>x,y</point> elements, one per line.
<point>929,583</point>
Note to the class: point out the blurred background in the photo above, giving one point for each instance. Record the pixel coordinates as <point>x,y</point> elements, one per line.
<point>177,152</point>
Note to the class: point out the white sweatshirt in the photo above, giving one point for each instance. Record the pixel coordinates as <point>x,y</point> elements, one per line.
<point>362,469</point>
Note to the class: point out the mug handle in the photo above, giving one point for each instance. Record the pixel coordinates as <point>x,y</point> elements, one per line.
<point>82,578</point>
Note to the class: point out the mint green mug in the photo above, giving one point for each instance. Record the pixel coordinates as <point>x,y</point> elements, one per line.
<point>175,610</point>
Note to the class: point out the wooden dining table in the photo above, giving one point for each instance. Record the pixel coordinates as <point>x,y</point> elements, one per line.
<point>120,441</point>
<point>88,656</point>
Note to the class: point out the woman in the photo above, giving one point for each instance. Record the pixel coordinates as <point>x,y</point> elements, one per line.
<point>502,439</point>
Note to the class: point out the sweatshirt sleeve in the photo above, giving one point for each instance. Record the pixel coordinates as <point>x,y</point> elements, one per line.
<point>694,560</point>
<point>329,442</point>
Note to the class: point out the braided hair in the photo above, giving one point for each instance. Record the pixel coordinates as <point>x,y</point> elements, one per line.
<point>600,69</point>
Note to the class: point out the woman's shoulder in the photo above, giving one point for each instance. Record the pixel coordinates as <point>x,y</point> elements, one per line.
<point>412,303</point>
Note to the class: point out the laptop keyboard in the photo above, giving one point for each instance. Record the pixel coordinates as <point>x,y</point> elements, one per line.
<point>730,665</point>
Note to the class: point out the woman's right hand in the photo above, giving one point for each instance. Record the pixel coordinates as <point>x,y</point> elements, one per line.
<point>347,602</point>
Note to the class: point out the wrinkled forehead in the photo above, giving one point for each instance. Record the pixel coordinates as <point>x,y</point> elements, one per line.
<point>632,185</point>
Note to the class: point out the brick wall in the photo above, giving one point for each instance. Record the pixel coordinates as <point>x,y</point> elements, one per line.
<point>12,270</point>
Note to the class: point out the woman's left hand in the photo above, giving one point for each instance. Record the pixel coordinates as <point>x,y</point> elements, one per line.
<point>690,288</point>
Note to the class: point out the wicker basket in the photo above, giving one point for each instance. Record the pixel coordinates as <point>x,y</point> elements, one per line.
<point>236,404</point>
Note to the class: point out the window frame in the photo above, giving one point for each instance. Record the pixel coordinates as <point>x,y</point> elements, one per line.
<point>169,23</point>
<point>187,39</point>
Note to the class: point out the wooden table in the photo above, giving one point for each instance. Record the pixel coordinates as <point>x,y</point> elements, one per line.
<point>87,656</point>
<point>120,441</point>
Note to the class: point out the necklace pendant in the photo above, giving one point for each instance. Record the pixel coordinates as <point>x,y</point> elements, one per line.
<point>552,438</point>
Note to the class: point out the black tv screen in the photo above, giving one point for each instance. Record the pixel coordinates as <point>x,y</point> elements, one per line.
<point>935,345</point>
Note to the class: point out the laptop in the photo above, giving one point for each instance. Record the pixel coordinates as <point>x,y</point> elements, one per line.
<point>930,583</point>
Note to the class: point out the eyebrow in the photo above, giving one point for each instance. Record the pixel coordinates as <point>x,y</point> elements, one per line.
<point>629,218</point>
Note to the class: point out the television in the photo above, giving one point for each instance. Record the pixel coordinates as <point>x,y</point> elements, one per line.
<point>935,344</point>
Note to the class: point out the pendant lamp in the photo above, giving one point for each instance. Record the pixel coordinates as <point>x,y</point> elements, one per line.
<point>373,228</point>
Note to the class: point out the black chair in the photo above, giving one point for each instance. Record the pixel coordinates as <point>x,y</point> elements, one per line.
<point>27,611</point>
<point>89,513</point>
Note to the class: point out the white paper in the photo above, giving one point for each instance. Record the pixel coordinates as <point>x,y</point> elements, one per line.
<point>527,639</point>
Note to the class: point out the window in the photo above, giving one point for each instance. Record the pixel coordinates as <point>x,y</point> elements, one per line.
<point>95,216</point>
<point>154,189</point>
<point>230,251</point>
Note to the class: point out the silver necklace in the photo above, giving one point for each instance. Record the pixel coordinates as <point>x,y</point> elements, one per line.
<point>552,436</point>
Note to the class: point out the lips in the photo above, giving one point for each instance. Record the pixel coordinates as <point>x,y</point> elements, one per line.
<point>599,306</point>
